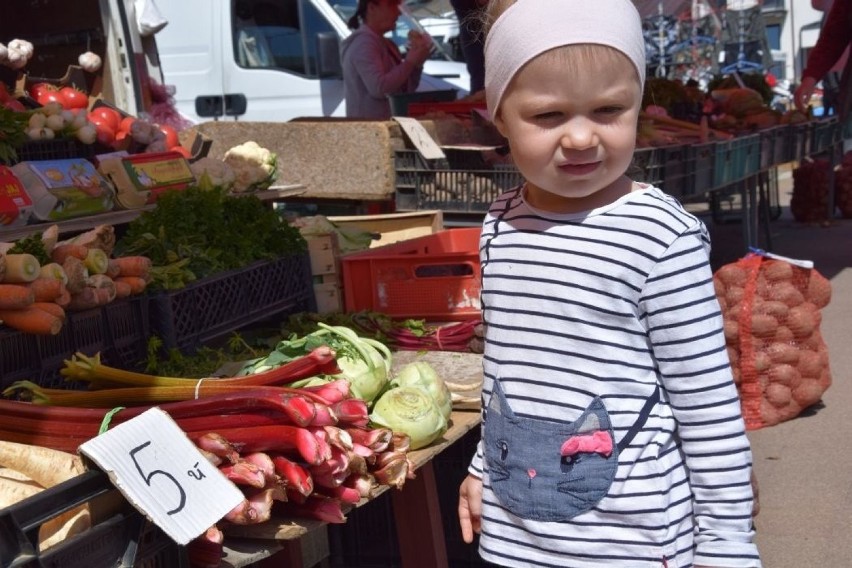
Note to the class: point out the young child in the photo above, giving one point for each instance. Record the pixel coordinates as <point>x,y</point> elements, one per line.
<point>612,434</point>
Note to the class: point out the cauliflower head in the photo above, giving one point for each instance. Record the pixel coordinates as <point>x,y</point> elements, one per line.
<point>210,173</point>
<point>255,167</point>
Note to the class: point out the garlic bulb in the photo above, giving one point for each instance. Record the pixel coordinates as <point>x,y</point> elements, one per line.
<point>22,45</point>
<point>89,61</point>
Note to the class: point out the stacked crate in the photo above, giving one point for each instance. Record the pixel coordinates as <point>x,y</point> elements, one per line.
<point>325,272</point>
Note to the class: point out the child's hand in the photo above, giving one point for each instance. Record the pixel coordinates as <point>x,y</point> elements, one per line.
<point>470,507</point>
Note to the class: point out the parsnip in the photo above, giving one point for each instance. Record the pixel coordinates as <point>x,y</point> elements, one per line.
<point>45,466</point>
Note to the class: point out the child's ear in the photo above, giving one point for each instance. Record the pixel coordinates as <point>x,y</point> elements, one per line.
<point>497,120</point>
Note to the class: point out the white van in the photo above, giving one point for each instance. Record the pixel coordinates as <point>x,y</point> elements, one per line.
<point>61,31</point>
<point>268,60</point>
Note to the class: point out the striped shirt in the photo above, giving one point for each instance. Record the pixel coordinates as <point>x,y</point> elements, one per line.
<point>612,303</point>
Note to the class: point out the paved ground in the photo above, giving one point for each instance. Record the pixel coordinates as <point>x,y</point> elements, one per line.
<point>803,465</point>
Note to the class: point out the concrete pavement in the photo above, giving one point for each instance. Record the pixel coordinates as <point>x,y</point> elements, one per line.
<point>803,465</point>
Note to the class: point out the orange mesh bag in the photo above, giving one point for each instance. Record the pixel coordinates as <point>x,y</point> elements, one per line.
<point>771,308</point>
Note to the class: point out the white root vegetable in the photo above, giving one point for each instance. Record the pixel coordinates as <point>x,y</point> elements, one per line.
<point>45,466</point>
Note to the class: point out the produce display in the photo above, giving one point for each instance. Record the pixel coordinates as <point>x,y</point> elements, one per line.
<point>771,309</point>
<point>294,430</point>
<point>41,278</point>
<point>195,233</point>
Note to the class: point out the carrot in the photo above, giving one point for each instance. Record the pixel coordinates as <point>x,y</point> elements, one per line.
<point>12,491</point>
<point>138,266</point>
<point>45,466</point>
<point>31,320</point>
<point>137,284</point>
<point>122,289</point>
<point>51,308</point>
<point>46,289</point>
<point>15,296</point>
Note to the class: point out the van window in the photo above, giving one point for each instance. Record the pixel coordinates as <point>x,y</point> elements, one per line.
<point>277,35</point>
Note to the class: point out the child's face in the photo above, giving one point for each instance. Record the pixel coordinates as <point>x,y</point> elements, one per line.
<point>571,127</point>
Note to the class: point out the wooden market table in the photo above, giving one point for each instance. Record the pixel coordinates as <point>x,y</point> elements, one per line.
<point>421,536</point>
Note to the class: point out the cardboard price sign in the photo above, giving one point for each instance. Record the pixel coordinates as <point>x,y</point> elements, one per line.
<point>159,471</point>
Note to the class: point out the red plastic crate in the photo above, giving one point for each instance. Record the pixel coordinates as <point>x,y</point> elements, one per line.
<point>435,277</point>
<point>461,109</point>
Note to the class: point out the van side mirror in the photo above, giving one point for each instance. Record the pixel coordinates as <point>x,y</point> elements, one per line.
<point>328,55</point>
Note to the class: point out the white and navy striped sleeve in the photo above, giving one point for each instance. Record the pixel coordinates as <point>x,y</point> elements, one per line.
<point>686,332</point>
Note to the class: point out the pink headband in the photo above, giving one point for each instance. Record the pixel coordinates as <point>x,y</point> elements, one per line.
<point>528,28</point>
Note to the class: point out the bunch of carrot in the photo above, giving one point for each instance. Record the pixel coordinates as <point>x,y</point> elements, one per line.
<point>34,296</point>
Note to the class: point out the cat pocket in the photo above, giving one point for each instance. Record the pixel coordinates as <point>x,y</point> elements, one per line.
<point>529,473</point>
<point>549,471</point>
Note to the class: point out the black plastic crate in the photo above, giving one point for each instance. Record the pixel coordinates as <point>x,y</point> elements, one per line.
<point>121,538</point>
<point>209,308</point>
<point>463,182</point>
<point>127,325</point>
<point>800,141</point>
<point>55,149</point>
<point>118,331</point>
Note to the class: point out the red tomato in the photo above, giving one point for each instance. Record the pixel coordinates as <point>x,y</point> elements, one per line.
<point>109,116</point>
<point>46,97</point>
<point>73,98</point>
<point>126,123</point>
<point>180,150</point>
<point>106,135</point>
<point>171,135</point>
<point>37,89</point>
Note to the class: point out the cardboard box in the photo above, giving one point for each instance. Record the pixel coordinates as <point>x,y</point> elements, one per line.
<point>140,178</point>
<point>395,227</point>
<point>329,297</point>
<point>64,189</point>
<point>325,254</point>
<point>15,205</point>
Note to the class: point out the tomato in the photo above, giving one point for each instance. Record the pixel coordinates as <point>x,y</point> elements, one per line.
<point>126,123</point>
<point>37,89</point>
<point>47,96</point>
<point>171,135</point>
<point>180,150</point>
<point>73,98</point>
<point>106,135</point>
<point>107,115</point>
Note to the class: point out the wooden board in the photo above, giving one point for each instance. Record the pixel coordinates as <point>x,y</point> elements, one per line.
<point>461,371</point>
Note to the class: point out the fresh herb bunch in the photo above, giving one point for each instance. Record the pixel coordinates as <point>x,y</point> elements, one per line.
<point>13,126</point>
<point>195,233</point>
<point>33,245</point>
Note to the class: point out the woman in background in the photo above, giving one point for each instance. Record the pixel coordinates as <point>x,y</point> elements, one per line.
<point>373,67</point>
